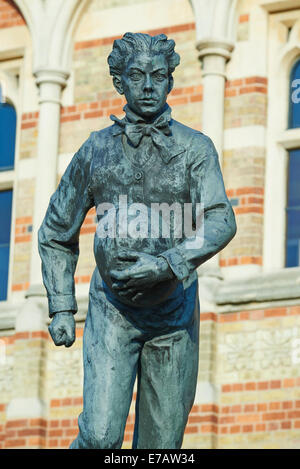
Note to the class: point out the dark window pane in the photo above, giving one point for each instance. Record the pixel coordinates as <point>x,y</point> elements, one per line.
<point>8,119</point>
<point>292,253</point>
<point>5,216</point>
<point>293,223</point>
<point>5,223</point>
<point>4,261</point>
<point>294,179</point>
<point>293,210</point>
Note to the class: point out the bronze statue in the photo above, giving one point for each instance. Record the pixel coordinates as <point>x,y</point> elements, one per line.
<point>143,316</point>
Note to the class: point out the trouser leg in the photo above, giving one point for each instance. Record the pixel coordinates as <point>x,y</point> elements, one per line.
<point>167,384</point>
<point>111,349</point>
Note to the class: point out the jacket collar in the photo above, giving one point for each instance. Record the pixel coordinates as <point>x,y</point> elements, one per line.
<point>173,148</point>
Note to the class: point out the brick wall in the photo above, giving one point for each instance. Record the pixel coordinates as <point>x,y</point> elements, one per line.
<point>10,15</point>
<point>24,193</point>
<point>244,169</point>
<point>250,357</point>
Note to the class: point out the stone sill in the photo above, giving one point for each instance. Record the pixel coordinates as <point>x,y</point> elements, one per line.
<point>263,290</point>
<point>267,287</point>
<point>8,312</point>
<point>276,6</point>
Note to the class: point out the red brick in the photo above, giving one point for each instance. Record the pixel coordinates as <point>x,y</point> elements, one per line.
<point>274,405</point>
<point>32,432</point>
<point>226,388</point>
<point>66,401</point>
<point>71,432</point>
<point>94,114</point>
<point>294,414</point>
<point>263,385</point>
<point>275,384</point>
<point>227,419</point>
<point>56,432</point>
<point>248,418</point>
<point>273,426</point>
<point>249,408</point>
<point>66,423</point>
<point>235,429</point>
<point>207,429</point>
<point>54,423</point>
<point>209,408</point>
<point>16,423</point>
<point>262,407</point>
<point>53,443</point>
<point>192,429</point>
<point>196,98</point>
<point>288,383</point>
<point>247,428</point>
<point>28,125</point>
<point>286,425</point>
<point>260,427</point>
<point>236,408</point>
<point>73,117</point>
<point>250,386</point>
<point>274,416</point>
<point>15,443</point>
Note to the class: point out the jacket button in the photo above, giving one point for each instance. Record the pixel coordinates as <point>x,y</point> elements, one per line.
<point>138,175</point>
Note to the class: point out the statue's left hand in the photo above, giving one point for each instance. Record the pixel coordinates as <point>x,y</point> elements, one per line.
<point>145,272</point>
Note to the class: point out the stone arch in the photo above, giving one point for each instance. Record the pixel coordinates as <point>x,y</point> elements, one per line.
<point>9,88</point>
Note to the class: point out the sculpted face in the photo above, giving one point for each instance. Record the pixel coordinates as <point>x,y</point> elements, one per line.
<point>146,84</point>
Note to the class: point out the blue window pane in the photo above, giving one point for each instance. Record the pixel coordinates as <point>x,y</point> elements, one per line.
<point>292,253</point>
<point>5,216</point>
<point>8,119</point>
<point>294,118</point>
<point>293,223</point>
<point>4,261</point>
<point>5,223</point>
<point>294,179</point>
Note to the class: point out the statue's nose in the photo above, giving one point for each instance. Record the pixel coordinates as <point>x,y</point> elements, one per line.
<point>148,83</point>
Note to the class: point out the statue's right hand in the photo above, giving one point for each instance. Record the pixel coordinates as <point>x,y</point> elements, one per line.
<point>62,328</point>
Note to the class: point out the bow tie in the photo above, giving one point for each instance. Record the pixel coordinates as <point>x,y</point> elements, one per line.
<point>135,128</point>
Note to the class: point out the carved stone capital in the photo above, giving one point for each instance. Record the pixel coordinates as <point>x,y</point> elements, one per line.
<point>51,82</point>
<point>215,47</point>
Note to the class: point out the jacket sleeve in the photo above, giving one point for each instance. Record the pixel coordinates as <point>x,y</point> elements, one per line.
<point>58,235</point>
<point>218,220</point>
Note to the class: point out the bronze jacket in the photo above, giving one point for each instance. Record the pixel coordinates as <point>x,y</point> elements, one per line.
<point>102,170</point>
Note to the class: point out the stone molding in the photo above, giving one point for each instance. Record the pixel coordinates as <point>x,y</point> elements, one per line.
<point>266,287</point>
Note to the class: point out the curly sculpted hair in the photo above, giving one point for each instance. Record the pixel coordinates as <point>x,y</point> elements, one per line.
<point>133,43</point>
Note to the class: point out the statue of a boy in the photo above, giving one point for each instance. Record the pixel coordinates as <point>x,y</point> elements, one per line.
<point>150,158</point>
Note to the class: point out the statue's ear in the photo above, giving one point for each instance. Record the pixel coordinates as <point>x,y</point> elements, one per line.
<point>171,83</point>
<point>118,84</point>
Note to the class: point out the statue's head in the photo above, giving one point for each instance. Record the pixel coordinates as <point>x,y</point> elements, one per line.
<point>142,67</point>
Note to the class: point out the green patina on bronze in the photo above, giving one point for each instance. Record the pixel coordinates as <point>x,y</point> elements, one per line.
<point>144,319</point>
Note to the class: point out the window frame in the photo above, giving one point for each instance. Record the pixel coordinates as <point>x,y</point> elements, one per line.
<point>8,178</point>
<point>279,138</point>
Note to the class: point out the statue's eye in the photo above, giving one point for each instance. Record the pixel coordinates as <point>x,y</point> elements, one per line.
<point>159,76</point>
<point>136,76</point>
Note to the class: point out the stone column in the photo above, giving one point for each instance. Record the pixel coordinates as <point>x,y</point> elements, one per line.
<point>213,55</point>
<point>50,83</point>
<point>31,334</point>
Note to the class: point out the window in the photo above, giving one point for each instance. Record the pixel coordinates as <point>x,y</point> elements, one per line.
<point>294,117</point>
<point>8,120</point>
<point>293,196</point>
<point>5,220</point>
<point>7,157</point>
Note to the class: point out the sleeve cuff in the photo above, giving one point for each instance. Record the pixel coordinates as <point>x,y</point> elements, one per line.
<point>176,262</point>
<point>60,303</point>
